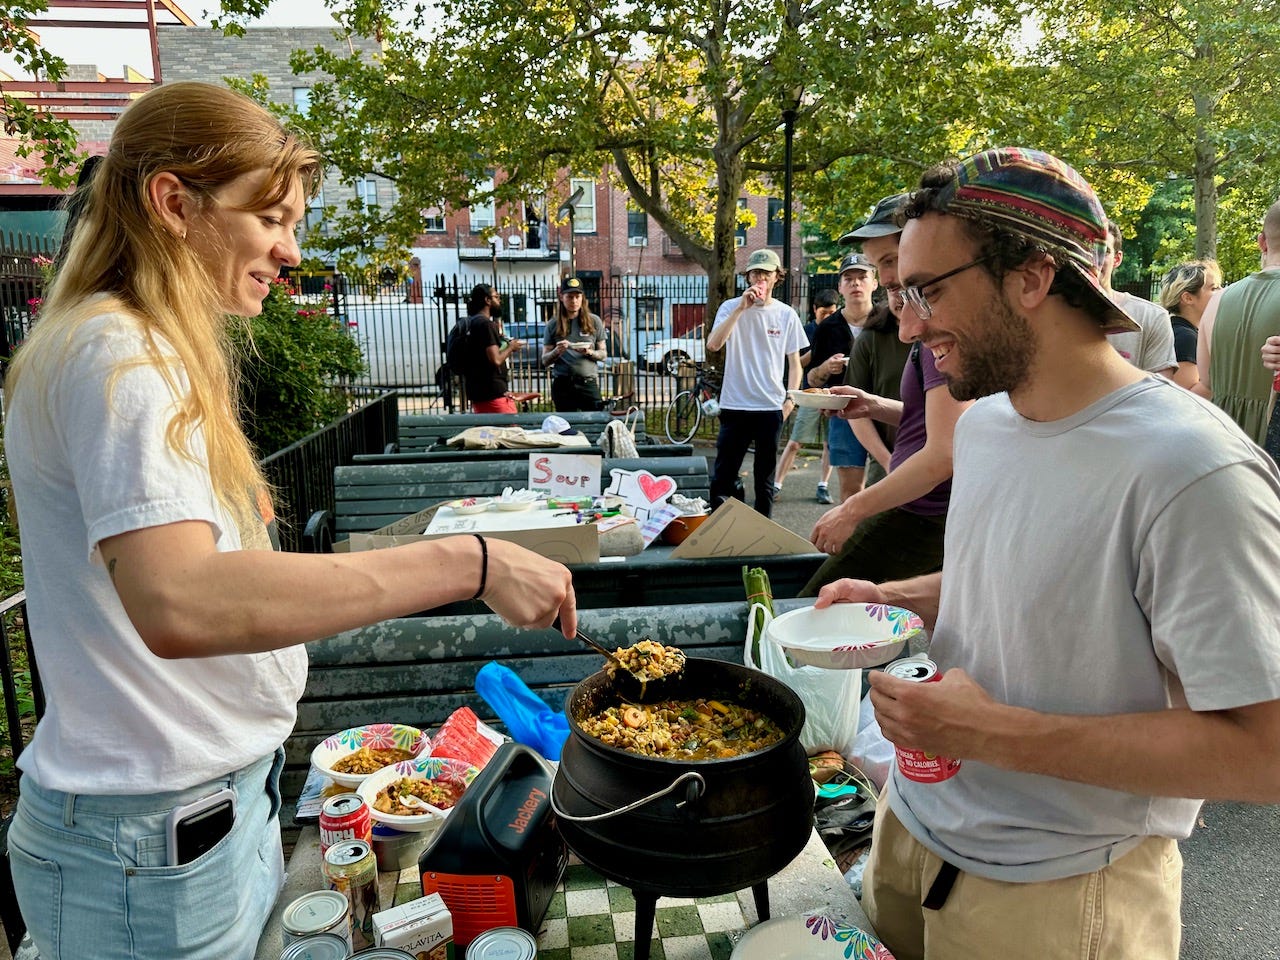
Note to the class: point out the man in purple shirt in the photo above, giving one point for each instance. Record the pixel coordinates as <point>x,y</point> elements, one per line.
<point>895,528</point>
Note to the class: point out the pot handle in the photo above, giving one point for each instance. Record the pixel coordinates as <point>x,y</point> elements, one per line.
<point>696,787</point>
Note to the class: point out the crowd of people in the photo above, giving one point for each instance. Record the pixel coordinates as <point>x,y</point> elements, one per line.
<point>1053,460</point>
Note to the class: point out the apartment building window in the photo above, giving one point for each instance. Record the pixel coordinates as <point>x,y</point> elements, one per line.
<point>649,314</point>
<point>740,235</point>
<point>637,228</point>
<point>315,213</point>
<point>433,220</point>
<point>302,100</point>
<point>775,223</point>
<point>584,212</point>
<point>482,217</point>
<point>367,191</point>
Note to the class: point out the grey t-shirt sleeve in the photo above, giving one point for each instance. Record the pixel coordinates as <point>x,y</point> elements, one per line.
<point>1211,587</point>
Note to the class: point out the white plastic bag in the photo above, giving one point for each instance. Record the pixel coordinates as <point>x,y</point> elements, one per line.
<point>872,753</point>
<point>830,697</point>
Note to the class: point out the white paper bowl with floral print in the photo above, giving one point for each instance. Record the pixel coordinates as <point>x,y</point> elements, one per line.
<point>376,736</point>
<point>845,636</point>
<point>811,936</point>
<point>454,775</point>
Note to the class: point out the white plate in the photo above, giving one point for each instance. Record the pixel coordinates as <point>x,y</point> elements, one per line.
<point>512,506</point>
<point>845,636</point>
<point>808,937</point>
<point>380,736</point>
<point>466,509</point>
<point>457,773</point>
<point>819,401</point>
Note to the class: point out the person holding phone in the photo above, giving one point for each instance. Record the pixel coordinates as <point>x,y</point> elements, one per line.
<point>167,633</point>
<point>573,346</point>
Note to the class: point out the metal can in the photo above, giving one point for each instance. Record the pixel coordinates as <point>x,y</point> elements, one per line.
<point>916,764</point>
<point>386,953</point>
<point>344,817</point>
<point>317,946</point>
<point>320,911</point>
<point>351,868</point>
<point>503,943</point>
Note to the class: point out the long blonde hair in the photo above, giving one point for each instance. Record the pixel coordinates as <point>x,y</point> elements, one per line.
<point>121,258</point>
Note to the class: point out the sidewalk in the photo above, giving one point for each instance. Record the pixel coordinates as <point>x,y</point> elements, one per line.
<point>795,508</point>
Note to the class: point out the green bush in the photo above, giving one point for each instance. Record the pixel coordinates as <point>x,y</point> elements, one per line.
<point>296,369</point>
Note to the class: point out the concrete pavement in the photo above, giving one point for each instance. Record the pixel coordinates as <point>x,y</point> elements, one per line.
<point>1231,862</point>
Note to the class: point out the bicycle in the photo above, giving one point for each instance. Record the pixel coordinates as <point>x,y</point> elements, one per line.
<point>684,414</point>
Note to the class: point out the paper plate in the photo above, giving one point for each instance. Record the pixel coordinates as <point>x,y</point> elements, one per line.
<point>456,774</point>
<point>376,736</point>
<point>513,506</point>
<point>845,636</point>
<point>469,505</point>
<point>808,937</point>
<point>819,401</point>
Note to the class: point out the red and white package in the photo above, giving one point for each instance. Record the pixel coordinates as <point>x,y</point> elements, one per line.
<point>464,736</point>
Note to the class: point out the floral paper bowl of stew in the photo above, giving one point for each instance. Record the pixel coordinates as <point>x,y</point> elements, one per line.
<point>349,757</point>
<point>416,795</point>
<point>845,636</point>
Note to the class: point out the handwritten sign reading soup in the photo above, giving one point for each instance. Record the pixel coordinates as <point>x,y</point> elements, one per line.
<point>565,474</point>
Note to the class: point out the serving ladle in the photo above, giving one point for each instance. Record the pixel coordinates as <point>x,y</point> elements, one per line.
<point>629,685</point>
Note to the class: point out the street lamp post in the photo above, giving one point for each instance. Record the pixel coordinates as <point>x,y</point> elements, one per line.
<point>788,132</point>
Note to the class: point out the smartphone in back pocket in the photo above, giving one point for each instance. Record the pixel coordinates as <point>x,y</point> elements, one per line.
<point>196,827</point>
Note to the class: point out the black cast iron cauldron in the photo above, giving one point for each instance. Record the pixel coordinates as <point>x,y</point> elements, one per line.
<point>714,826</point>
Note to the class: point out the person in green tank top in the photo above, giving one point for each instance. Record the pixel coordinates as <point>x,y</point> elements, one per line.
<point>1233,330</point>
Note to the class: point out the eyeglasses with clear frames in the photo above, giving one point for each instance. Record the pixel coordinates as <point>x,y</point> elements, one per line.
<point>913,295</point>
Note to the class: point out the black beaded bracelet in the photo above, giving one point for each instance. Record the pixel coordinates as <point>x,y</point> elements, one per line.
<point>484,566</point>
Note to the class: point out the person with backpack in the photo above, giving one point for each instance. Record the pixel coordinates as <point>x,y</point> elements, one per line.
<point>478,352</point>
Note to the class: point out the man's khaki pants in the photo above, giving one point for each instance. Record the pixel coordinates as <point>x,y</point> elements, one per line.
<point>1129,910</point>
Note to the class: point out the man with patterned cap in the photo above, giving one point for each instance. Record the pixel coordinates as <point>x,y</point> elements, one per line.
<point>1098,675</point>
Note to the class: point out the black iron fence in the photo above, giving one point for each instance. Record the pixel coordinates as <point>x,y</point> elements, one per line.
<point>302,473</point>
<point>24,263</point>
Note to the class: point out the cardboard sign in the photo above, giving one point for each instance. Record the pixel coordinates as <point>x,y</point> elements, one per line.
<point>735,530</point>
<point>579,543</point>
<point>642,492</point>
<point>565,474</point>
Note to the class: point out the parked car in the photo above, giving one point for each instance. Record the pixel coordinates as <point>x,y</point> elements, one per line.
<point>670,353</point>
<point>531,332</point>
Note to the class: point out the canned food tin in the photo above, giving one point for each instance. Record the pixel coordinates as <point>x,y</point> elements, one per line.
<point>317,946</point>
<point>385,953</point>
<point>351,868</point>
<point>320,911</point>
<point>503,943</point>
<point>916,764</point>
<point>344,817</point>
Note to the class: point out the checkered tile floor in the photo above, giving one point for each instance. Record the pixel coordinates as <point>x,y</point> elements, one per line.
<point>591,918</point>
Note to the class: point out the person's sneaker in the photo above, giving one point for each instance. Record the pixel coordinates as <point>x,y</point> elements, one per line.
<point>824,495</point>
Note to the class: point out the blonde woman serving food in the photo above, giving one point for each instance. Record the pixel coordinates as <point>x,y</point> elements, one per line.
<point>168,645</point>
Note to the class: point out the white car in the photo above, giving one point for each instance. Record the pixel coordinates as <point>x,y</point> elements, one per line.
<point>670,353</point>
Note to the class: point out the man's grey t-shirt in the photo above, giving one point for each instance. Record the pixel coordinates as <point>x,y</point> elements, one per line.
<point>1124,559</point>
<point>1150,349</point>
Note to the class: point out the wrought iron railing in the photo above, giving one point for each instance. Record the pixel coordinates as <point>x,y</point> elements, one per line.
<point>302,473</point>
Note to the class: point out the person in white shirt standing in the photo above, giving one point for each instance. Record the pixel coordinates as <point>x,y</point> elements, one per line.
<point>759,335</point>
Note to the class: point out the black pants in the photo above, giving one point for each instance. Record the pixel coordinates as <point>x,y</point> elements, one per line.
<point>740,429</point>
<point>892,545</point>
<point>571,392</point>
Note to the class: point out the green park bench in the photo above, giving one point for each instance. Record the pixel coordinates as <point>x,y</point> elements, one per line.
<point>427,431</point>
<point>519,453</point>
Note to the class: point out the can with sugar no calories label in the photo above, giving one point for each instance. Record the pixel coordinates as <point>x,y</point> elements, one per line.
<point>318,946</point>
<point>916,764</point>
<point>344,817</point>
<point>351,868</point>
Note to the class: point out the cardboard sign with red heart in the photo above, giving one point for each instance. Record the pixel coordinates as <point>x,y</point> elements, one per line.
<point>645,494</point>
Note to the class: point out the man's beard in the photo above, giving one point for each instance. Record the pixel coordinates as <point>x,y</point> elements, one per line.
<point>999,360</point>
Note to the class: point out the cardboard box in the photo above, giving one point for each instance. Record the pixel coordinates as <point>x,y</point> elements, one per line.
<point>579,543</point>
<point>736,530</point>
<point>422,927</point>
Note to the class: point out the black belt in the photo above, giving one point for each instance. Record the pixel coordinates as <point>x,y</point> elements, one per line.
<point>940,889</point>
<point>577,378</point>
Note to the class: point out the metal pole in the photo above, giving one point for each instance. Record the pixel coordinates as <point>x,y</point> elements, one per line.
<point>572,271</point>
<point>789,128</point>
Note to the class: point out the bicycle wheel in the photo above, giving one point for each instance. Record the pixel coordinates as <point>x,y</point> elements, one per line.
<point>682,418</point>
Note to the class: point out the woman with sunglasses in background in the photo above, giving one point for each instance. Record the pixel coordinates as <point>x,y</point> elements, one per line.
<point>1185,292</point>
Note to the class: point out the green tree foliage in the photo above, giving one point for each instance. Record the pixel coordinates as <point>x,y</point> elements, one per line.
<point>679,101</point>
<point>296,360</point>
<point>1134,92</point>
<point>39,133</point>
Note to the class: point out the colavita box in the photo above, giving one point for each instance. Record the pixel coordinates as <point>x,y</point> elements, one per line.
<point>422,927</point>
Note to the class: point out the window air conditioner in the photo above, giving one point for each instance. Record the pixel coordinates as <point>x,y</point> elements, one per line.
<point>637,241</point>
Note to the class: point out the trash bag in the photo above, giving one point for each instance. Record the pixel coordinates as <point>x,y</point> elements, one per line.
<point>528,719</point>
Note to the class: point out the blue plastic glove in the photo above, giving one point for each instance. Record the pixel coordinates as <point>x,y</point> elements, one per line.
<point>528,719</point>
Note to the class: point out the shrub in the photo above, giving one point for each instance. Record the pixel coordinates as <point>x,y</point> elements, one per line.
<point>296,369</point>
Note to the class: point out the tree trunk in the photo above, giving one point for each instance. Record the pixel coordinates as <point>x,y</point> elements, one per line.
<point>1205,188</point>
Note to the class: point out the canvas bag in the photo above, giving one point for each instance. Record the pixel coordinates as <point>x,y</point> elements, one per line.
<point>831,697</point>
<point>617,440</point>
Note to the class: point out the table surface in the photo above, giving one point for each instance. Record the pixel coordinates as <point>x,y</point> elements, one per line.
<point>536,517</point>
<point>590,918</point>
